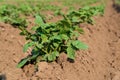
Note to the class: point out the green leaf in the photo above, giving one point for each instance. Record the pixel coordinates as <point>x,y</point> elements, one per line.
<point>75,19</point>
<point>64,36</point>
<point>26,46</point>
<point>53,56</point>
<point>69,43</point>
<point>35,53</point>
<point>50,57</point>
<point>39,45</point>
<point>45,57</point>
<point>70,52</point>
<point>22,33</point>
<point>58,37</point>
<point>33,37</point>
<point>34,56</point>
<point>55,53</point>
<point>55,44</point>
<point>39,20</point>
<point>44,38</point>
<point>34,28</point>
<point>80,30</point>
<point>23,62</point>
<point>79,45</point>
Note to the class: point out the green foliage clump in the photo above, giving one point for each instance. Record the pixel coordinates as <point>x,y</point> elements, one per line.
<point>15,15</point>
<point>10,14</point>
<point>51,39</point>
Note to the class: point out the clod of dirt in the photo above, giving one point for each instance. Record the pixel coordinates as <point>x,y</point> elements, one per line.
<point>44,70</point>
<point>29,70</point>
<point>42,66</point>
<point>62,59</point>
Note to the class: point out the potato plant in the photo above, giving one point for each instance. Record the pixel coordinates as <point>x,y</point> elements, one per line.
<point>10,14</point>
<point>51,39</point>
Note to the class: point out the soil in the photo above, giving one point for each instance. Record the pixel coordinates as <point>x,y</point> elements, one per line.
<point>100,62</point>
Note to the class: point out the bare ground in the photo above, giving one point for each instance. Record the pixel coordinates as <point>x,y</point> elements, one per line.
<point>100,62</point>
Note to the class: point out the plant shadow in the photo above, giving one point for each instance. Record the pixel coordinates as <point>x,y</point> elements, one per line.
<point>70,60</point>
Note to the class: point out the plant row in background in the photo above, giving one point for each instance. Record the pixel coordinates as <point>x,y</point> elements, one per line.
<point>49,40</point>
<point>16,15</point>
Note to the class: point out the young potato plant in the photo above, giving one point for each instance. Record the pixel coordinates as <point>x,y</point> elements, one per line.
<point>51,39</point>
<point>10,14</point>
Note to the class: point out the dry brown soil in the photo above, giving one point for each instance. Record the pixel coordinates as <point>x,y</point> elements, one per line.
<point>100,62</point>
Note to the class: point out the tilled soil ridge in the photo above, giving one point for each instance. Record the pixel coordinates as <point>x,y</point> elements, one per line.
<point>100,62</point>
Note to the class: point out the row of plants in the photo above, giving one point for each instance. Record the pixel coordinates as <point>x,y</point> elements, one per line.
<point>16,15</point>
<point>79,2</point>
